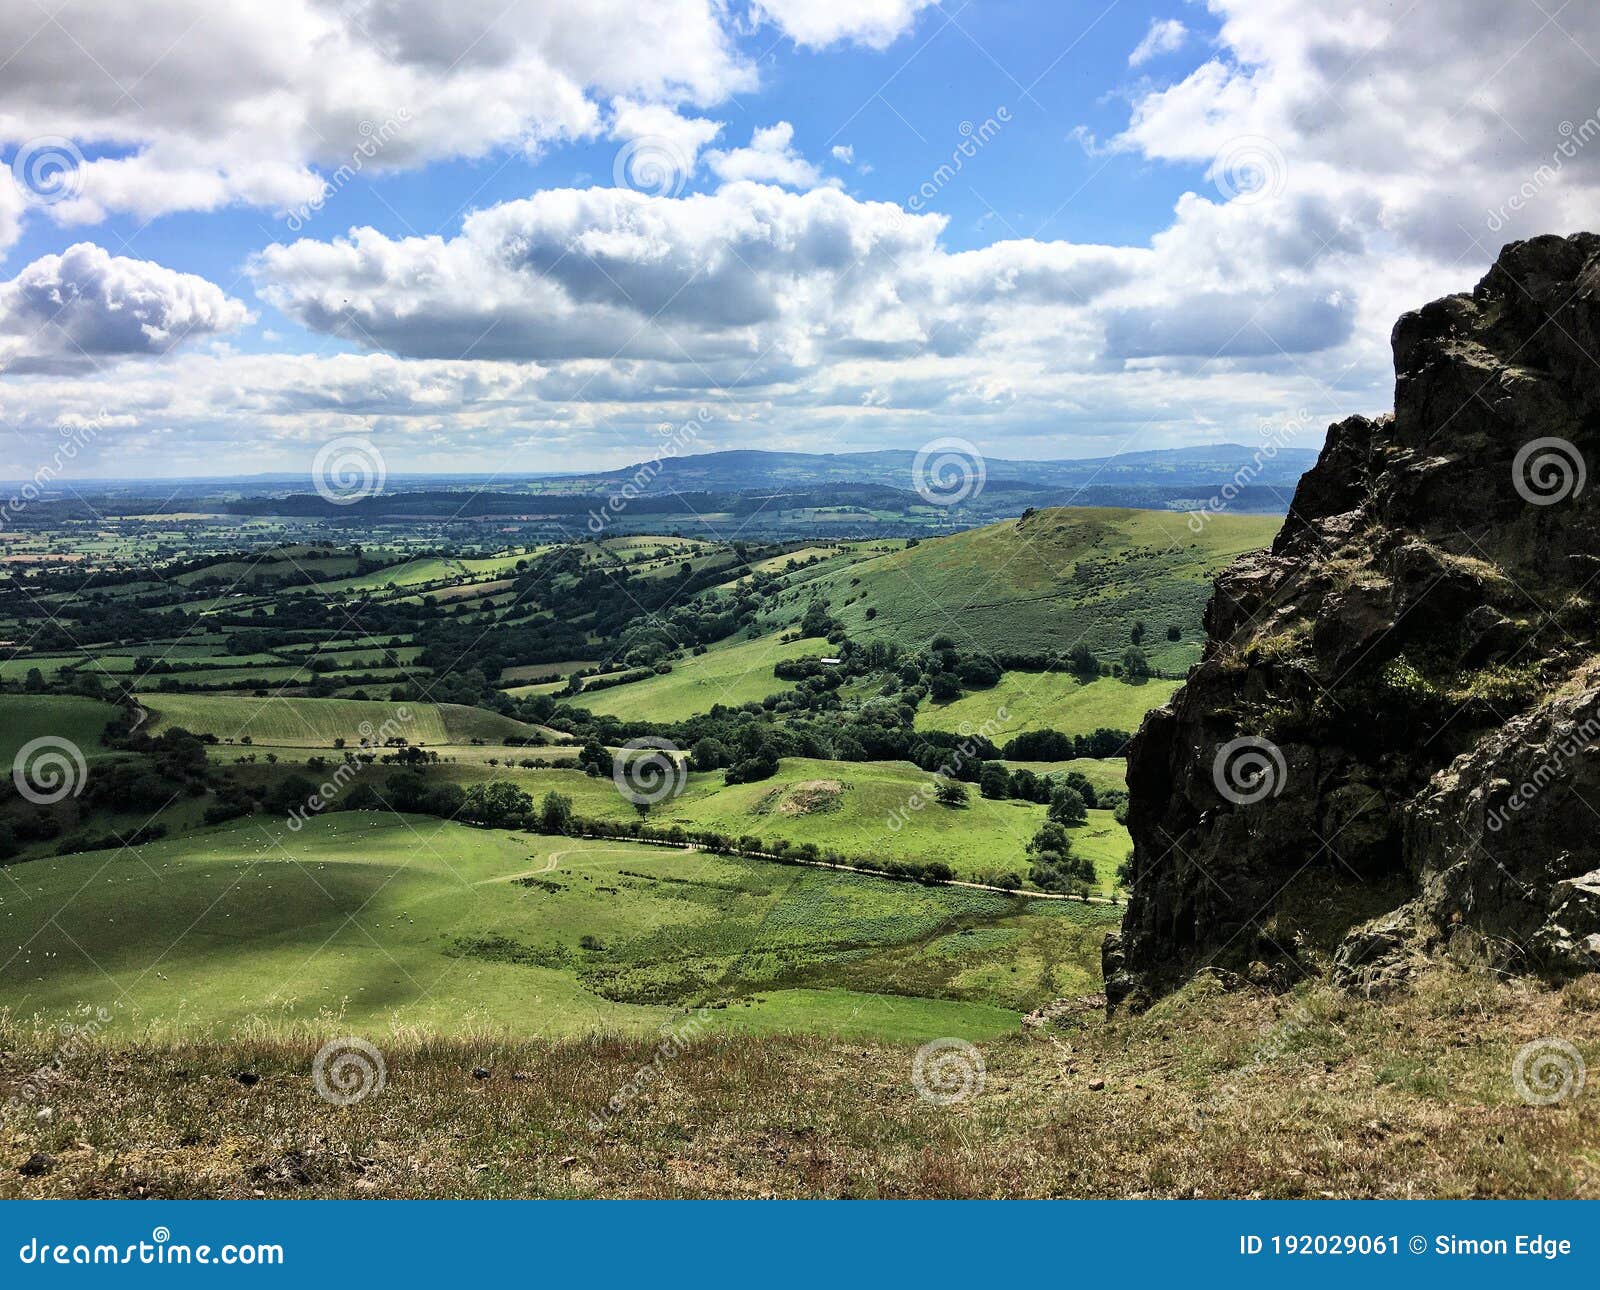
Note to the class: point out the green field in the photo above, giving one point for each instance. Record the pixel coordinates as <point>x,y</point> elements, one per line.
<point>316,723</point>
<point>377,923</point>
<point>860,809</point>
<point>1048,701</point>
<point>26,717</point>
<point>1048,582</point>
<point>1102,772</point>
<point>729,672</point>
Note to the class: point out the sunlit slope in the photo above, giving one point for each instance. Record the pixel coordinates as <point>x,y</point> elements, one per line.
<point>1049,581</point>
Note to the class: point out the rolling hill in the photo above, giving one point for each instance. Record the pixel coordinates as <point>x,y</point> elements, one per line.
<point>1049,581</point>
<point>316,723</point>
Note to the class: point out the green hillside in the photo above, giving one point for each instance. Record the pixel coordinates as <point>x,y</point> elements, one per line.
<point>730,672</point>
<point>378,923</point>
<point>1049,581</point>
<point>316,723</point>
<point>26,717</point>
<point>1048,701</point>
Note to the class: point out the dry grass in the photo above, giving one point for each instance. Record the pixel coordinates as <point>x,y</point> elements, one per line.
<point>1309,1094</point>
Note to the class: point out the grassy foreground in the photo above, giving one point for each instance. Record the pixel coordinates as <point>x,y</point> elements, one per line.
<point>1311,1094</point>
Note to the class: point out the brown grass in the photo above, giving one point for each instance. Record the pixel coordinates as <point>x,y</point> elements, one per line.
<point>1310,1094</point>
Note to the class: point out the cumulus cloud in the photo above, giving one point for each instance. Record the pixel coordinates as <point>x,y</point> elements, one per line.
<point>751,274</point>
<point>816,24</point>
<point>1425,132</point>
<point>655,135</point>
<point>1166,36</point>
<point>770,158</point>
<point>195,105</point>
<point>564,321</point>
<point>68,312</point>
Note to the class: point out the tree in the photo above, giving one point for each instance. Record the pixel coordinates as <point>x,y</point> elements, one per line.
<point>951,793</point>
<point>1174,633</point>
<point>1134,662</point>
<point>979,673</point>
<point>1078,780</point>
<point>1139,629</point>
<point>1066,806</point>
<point>994,781</point>
<point>816,621</point>
<point>499,804</point>
<point>709,754</point>
<point>555,812</point>
<point>1081,659</point>
<point>944,688</point>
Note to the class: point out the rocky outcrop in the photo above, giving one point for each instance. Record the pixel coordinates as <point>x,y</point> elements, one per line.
<point>1391,746</point>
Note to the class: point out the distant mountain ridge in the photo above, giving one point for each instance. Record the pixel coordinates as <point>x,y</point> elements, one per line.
<point>1268,466</point>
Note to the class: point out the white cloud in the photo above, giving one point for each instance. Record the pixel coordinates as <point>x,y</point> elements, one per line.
<point>562,323</point>
<point>1166,36</point>
<point>1420,131</point>
<point>770,158</point>
<point>845,153</point>
<point>71,311</point>
<point>817,24</point>
<point>202,105</point>
<point>661,147</point>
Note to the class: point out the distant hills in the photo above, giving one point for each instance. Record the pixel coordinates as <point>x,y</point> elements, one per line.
<point>751,492</point>
<point>1203,466</point>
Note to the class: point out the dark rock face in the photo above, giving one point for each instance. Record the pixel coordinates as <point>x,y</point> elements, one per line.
<point>1392,744</point>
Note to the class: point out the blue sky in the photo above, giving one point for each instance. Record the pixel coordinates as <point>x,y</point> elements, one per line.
<point>1183,222</point>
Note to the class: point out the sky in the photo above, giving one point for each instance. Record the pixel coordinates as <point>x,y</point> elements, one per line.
<point>520,236</point>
